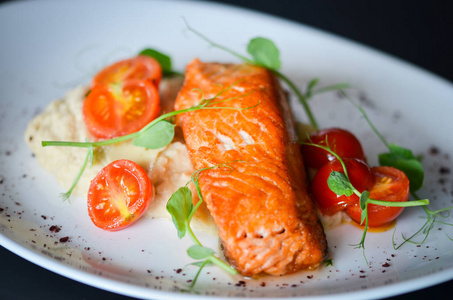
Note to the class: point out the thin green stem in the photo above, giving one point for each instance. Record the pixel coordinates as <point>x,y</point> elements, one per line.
<point>201,106</point>
<point>121,138</point>
<point>345,171</point>
<point>194,281</point>
<point>422,202</point>
<point>301,97</point>
<point>194,179</point>
<point>223,265</point>
<point>380,136</point>
<point>79,175</point>
<point>194,209</point>
<point>431,219</point>
<point>192,235</point>
<point>214,44</point>
<point>331,88</point>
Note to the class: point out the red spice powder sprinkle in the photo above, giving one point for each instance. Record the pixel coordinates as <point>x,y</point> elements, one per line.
<point>240,283</point>
<point>54,228</point>
<point>64,239</point>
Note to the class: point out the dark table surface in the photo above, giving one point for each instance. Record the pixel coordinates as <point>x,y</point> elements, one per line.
<point>419,32</point>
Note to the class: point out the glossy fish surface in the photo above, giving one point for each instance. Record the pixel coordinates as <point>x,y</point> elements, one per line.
<point>259,201</point>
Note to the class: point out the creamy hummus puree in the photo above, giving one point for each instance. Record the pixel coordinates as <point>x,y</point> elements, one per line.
<point>169,168</point>
<point>329,222</point>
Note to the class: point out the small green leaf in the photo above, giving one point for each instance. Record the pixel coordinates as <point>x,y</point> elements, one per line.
<point>199,252</point>
<point>157,136</point>
<point>363,215</point>
<point>179,206</point>
<point>328,262</point>
<point>400,151</point>
<point>403,159</point>
<point>264,52</point>
<point>339,184</point>
<point>163,59</point>
<point>312,84</point>
<point>364,199</point>
<point>201,263</point>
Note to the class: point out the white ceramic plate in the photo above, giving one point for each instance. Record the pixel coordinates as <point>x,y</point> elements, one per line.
<point>51,46</point>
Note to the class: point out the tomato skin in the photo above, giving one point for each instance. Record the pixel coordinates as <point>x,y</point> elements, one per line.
<point>390,184</point>
<point>119,109</point>
<point>341,141</point>
<point>119,195</point>
<point>327,201</point>
<point>140,67</point>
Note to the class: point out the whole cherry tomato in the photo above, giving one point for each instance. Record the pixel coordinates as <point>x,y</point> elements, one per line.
<point>341,141</point>
<point>122,108</point>
<point>119,195</point>
<point>327,201</point>
<point>390,184</point>
<point>140,67</point>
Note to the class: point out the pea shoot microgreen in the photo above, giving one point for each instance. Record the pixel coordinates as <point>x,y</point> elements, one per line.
<point>181,208</point>
<point>156,134</point>
<point>397,157</point>
<point>265,53</point>
<point>340,184</point>
<point>404,160</point>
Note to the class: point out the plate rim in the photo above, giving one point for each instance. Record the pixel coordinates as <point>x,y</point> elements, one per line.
<point>10,244</point>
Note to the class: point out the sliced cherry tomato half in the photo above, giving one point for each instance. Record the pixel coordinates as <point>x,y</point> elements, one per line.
<point>140,67</point>
<point>119,195</point>
<point>341,141</point>
<point>390,184</point>
<point>327,201</point>
<point>119,109</point>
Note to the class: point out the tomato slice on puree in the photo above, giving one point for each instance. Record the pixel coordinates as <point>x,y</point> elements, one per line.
<point>140,67</point>
<point>119,195</point>
<point>119,109</point>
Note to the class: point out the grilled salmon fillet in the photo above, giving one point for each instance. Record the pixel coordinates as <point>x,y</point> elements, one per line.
<point>266,219</point>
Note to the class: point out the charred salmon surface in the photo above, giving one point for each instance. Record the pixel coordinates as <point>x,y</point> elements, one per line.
<point>261,205</point>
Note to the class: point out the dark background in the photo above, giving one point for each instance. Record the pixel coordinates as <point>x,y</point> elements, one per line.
<point>419,32</point>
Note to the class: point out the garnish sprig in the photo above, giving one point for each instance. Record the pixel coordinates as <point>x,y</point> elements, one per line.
<point>159,131</point>
<point>265,54</point>
<point>431,219</point>
<point>398,157</point>
<point>156,134</point>
<point>404,160</point>
<point>181,208</point>
<point>340,184</point>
